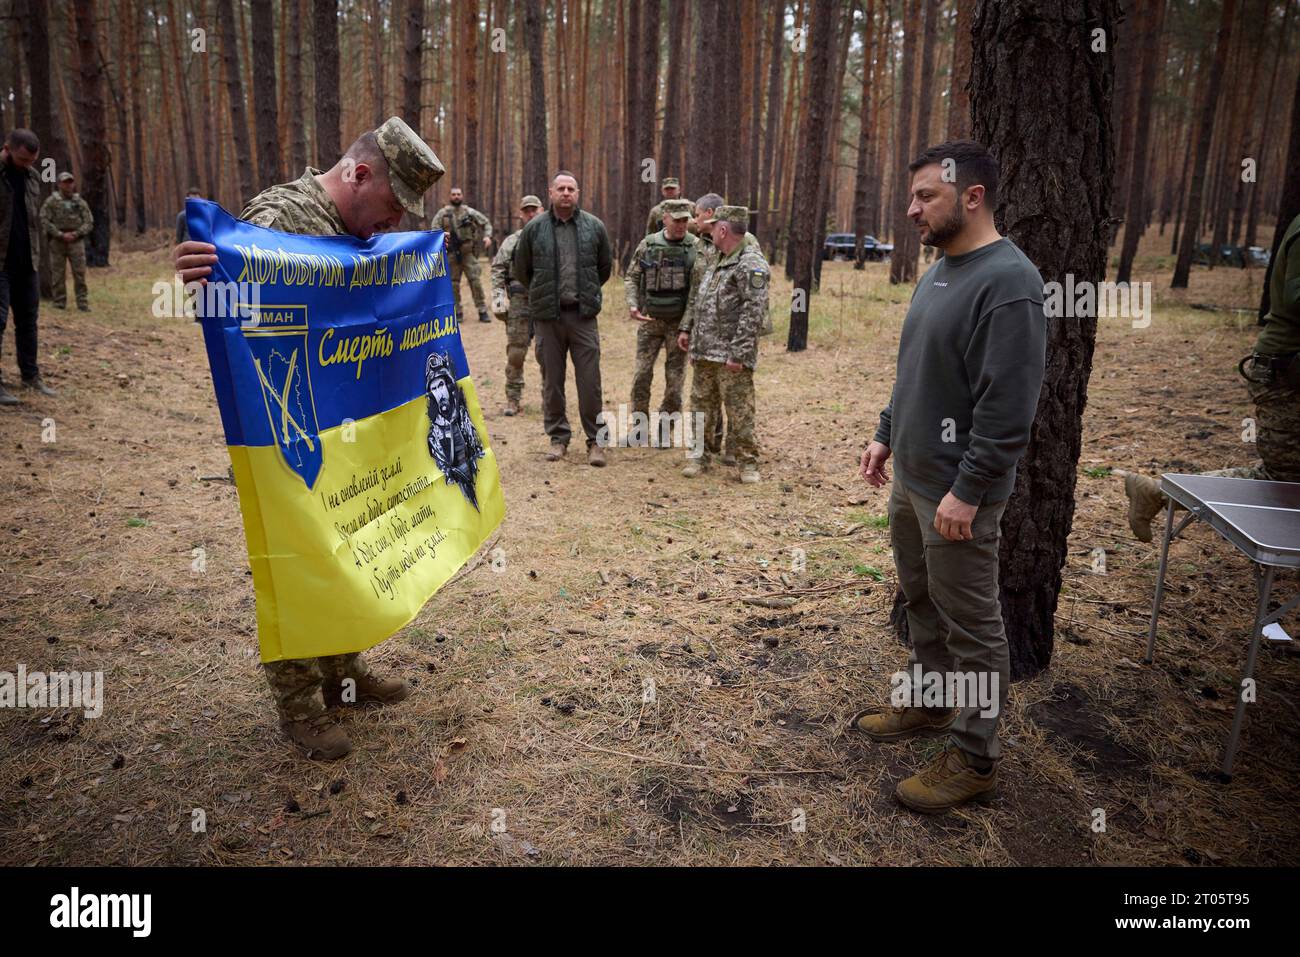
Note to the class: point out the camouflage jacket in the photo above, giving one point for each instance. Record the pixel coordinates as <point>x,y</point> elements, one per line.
<point>730,307</point>
<point>60,215</point>
<point>509,296</point>
<point>643,268</point>
<point>705,256</point>
<point>301,207</point>
<point>470,226</point>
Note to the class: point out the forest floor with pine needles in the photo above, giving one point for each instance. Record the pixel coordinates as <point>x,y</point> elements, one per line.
<point>527,739</point>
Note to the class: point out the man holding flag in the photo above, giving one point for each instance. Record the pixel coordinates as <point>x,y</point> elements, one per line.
<point>382,175</point>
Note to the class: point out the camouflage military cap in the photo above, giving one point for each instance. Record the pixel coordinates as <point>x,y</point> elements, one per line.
<point>65,176</point>
<point>530,200</point>
<point>671,181</point>
<point>677,209</point>
<point>412,165</point>
<point>737,216</point>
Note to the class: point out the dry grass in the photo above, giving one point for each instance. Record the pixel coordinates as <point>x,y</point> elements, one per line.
<point>530,681</point>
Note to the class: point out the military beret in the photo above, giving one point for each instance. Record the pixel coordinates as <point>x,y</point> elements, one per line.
<point>65,176</point>
<point>412,165</point>
<point>530,200</point>
<point>677,209</point>
<point>671,181</point>
<point>737,216</point>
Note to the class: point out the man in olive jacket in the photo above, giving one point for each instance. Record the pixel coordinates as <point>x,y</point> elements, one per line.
<point>563,257</point>
<point>20,251</point>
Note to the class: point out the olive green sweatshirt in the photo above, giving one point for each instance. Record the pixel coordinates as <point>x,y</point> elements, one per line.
<point>970,367</point>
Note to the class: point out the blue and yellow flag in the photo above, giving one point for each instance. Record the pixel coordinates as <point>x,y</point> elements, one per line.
<point>360,455</point>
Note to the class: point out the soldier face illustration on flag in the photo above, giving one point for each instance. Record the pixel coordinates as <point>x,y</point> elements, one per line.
<point>359,450</point>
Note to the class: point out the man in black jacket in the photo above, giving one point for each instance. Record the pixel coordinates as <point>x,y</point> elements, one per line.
<point>20,252</point>
<point>564,257</point>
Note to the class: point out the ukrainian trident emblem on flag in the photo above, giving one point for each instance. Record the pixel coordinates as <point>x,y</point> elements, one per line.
<point>284,373</point>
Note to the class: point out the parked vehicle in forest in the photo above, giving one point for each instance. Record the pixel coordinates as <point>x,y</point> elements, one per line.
<point>1239,256</point>
<point>842,245</point>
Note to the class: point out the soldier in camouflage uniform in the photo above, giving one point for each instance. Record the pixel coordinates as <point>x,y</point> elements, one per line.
<point>384,174</point>
<point>467,230</point>
<point>671,190</point>
<point>510,303</point>
<point>656,286</point>
<point>1272,374</point>
<point>729,311</point>
<point>66,221</point>
<point>702,225</point>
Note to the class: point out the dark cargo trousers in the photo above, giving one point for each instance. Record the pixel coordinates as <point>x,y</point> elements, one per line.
<point>569,334</point>
<point>21,290</point>
<point>953,615</point>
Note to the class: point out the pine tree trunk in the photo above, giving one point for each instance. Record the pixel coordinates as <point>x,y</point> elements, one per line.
<point>1041,100</point>
<point>767,178</point>
<point>811,168</point>
<point>325,40</point>
<point>267,116</point>
<point>121,158</point>
<point>925,96</point>
<point>90,117</point>
<point>1196,196</point>
<point>235,90</point>
<point>1149,39</point>
<point>37,36</point>
<point>902,264</point>
<point>293,89</point>
<point>536,174</point>
<point>959,97</point>
<point>1252,210</point>
<point>675,100</point>
<point>413,64</point>
<point>862,173</point>
<point>468,92</point>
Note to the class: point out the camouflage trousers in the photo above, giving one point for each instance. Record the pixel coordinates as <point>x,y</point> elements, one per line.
<point>1277,434</point>
<point>516,350</point>
<point>716,390</point>
<point>1277,426</point>
<point>74,254</point>
<point>650,338</point>
<point>471,271</point>
<point>296,683</point>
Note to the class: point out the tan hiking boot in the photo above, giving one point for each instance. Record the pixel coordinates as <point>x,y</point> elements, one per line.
<point>694,468</point>
<point>948,781</point>
<point>1145,502</point>
<point>596,456</point>
<point>898,723</point>
<point>749,473</point>
<point>320,737</point>
<point>556,451</point>
<point>369,690</point>
<point>512,406</point>
<point>728,459</point>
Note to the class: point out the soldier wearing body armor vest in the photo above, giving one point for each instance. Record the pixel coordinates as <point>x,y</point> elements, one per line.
<point>467,231</point>
<point>657,285</point>
<point>510,304</point>
<point>66,221</point>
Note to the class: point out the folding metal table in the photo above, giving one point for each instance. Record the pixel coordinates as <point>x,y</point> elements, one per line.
<point>1262,519</point>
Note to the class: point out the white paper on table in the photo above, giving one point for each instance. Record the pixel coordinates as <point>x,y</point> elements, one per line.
<point>1275,632</point>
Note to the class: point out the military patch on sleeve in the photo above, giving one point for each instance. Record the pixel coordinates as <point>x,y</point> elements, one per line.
<point>758,279</point>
